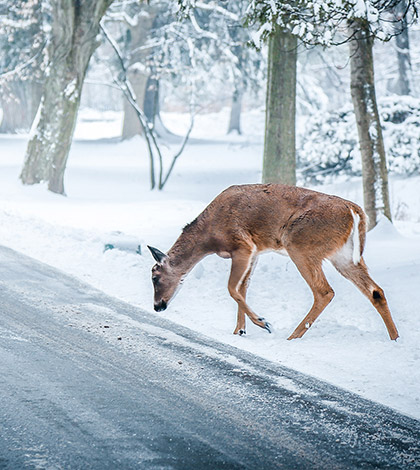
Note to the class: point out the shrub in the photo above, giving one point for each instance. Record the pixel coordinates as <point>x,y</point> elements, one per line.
<point>329,146</point>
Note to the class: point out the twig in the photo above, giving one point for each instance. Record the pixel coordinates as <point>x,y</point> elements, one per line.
<point>175,158</point>
<point>127,90</point>
<point>125,86</point>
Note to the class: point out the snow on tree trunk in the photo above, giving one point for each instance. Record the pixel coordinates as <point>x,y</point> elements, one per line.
<point>375,175</point>
<point>235,112</point>
<point>279,146</point>
<point>48,148</point>
<point>75,26</point>
<point>403,51</point>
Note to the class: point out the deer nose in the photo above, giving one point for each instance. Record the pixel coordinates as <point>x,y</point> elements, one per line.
<point>160,306</point>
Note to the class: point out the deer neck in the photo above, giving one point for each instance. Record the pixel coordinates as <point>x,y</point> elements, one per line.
<point>190,248</point>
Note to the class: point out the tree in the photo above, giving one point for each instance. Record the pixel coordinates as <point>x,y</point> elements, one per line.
<point>74,29</point>
<point>235,111</point>
<point>22,43</point>
<point>403,49</point>
<point>134,22</point>
<point>279,164</point>
<point>248,66</point>
<point>362,84</point>
<point>328,147</point>
<point>223,51</point>
<point>322,23</point>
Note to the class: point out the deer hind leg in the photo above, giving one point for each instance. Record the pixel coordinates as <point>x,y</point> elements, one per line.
<point>242,261</point>
<point>240,324</point>
<point>359,276</point>
<point>323,293</point>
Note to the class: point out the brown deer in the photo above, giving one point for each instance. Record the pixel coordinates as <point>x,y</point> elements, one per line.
<point>244,221</point>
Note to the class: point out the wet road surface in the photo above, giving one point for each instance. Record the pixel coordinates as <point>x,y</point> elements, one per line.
<point>90,382</point>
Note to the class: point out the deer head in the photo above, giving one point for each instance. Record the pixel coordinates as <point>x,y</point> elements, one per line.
<point>165,278</point>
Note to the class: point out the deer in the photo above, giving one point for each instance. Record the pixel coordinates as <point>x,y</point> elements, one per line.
<point>246,220</point>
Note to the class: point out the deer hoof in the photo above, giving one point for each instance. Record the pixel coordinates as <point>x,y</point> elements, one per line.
<point>297,333</point>
<point>242,332</point>
<point>268,326</point>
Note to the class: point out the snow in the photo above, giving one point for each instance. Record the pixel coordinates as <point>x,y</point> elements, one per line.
<point>108,191</point>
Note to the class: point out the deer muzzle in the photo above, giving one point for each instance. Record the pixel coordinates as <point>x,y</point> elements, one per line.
<point>160,306</point>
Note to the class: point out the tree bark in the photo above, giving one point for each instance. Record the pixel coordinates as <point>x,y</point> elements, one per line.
<point>75,26</point>
<point>279,164</point>
<point>235,112</point>
<point>403,51</point>
<point>362,83</point>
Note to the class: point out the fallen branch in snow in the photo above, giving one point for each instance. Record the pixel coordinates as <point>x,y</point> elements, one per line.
<point>123,83</point>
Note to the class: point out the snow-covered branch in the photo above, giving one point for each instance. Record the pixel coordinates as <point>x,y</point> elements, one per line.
<point>213,6</point>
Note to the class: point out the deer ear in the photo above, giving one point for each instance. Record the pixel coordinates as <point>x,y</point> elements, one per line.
<point>157,254</point>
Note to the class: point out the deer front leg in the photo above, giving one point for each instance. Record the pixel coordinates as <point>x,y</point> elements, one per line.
<point>240,324</point>
<point>242,261</point>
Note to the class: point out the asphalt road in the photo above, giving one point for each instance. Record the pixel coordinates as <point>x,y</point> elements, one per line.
<point>89,382</point>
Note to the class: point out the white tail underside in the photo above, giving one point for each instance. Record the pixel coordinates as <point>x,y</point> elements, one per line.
<point>356,238</point>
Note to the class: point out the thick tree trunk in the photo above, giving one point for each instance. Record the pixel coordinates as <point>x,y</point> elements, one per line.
<point>375,175</point>
<point>403,51</point>
<point>235,112</point>
<point>279,146</point>
<point>73,40</point>
<point>48,149</point>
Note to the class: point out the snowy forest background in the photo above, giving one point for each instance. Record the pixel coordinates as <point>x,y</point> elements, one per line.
<point>140,113</point>
<point>143,59</point>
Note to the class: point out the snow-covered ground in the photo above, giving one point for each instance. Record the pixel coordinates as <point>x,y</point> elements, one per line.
<point>108,190</point>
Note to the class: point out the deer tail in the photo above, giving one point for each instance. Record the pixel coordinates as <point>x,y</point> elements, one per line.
<point>358,233</point>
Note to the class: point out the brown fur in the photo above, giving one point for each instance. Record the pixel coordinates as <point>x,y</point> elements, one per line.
<point>244,221</point>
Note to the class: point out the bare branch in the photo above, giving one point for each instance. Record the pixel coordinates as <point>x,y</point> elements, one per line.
<point>125,86</point>
<point>175,157</point>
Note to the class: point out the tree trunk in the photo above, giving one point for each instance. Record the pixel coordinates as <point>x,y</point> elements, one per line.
<point>151,100</point>
<point>131,124</point>
<point>375,175</point>
<point>47,152</point>
<point>235,112</point>
<point>73,39</point>
<point>279,146</point>
<point>138,73</point>
<point>403,51</point>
